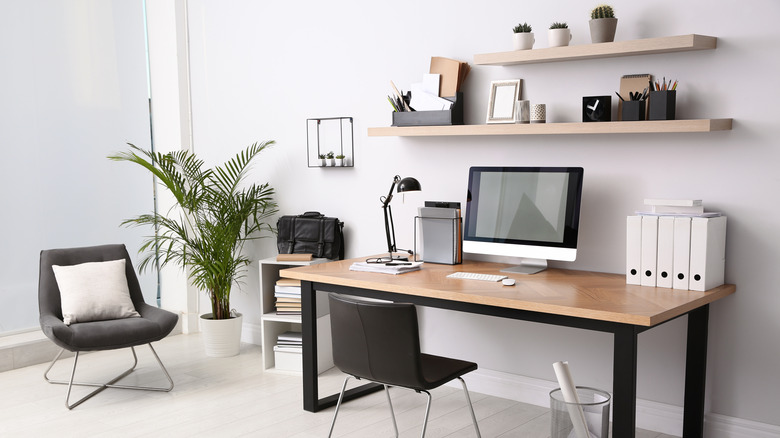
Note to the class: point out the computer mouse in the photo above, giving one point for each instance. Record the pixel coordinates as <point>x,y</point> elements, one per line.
<point>508,281</point>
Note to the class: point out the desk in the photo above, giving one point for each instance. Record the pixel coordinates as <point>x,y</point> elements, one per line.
<point>580,299</point>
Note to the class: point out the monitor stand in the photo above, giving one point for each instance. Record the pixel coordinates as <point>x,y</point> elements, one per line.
<point>528,266</point>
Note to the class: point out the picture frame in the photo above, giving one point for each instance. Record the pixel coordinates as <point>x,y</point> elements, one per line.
<point>504,95</point>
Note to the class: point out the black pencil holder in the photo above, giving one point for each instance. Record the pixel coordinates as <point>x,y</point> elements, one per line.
<point>662,104</point>
<point>633,110</point>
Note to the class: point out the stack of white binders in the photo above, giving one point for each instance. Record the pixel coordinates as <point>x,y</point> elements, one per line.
<point>676,245</point>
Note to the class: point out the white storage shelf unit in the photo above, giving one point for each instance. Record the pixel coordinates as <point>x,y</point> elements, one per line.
<point>273,325</point>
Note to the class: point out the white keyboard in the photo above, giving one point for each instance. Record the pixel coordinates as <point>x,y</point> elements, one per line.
<point>476,276</point>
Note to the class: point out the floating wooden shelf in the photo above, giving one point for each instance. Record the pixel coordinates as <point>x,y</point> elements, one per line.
<point>643,127</point>
<point>682,43</point>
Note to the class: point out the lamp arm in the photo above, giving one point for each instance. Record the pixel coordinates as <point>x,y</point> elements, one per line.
<point>386,200</point>
<point>389,229</point>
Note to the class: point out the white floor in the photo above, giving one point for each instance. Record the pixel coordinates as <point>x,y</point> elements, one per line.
<point>230,397</point>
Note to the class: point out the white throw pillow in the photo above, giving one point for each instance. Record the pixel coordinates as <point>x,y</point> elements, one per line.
<point>94,291</point>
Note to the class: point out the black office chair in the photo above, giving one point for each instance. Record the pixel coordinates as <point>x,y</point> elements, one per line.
<point>380,342</point>
<point>153,324</point>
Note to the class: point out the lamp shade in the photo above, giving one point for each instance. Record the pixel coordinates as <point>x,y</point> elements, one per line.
<point>409,184</point>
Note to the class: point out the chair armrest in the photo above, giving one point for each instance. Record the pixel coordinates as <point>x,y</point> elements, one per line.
<point>163,318</point>
<point>56,330</point>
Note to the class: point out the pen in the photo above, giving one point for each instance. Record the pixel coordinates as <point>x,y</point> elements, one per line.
<point>621,97</point>
<point>398,264</point>
<point>674,87</point>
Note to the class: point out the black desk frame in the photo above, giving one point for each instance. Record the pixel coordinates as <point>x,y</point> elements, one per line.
<point>624,353</point>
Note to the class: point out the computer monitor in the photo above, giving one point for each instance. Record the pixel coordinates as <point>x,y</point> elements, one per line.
<point>528,212</point>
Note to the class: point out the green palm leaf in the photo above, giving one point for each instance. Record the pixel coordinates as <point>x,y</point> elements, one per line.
<point>215,214</point>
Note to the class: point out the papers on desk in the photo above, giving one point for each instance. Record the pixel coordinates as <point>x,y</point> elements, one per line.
<point>386,269</point>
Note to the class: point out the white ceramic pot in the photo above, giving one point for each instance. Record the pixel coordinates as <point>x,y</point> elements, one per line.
<point>602,30</point>
<point>524,40</point>
<point>339,162</point>
<point>322,162</point>
<point>221,337</point>
<point>558,37</point>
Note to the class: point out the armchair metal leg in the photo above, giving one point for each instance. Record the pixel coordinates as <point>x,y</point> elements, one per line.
<point>109,384</point>
<point>471,407</point>
<point>392,413</point>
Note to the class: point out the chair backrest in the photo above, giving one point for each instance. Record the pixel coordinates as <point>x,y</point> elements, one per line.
<point>376,340</point>
<point>49,294</point>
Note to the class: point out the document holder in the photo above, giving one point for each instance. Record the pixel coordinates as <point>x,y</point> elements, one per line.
<point>453,116</point>
<point>440,238</point>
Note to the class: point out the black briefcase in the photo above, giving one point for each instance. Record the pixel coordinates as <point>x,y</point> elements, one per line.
<point>311,233</point>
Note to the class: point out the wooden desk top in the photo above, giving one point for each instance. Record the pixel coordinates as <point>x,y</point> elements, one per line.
<point>583,294</point>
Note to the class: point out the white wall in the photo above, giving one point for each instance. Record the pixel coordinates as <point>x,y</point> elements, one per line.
<point>260,69</point>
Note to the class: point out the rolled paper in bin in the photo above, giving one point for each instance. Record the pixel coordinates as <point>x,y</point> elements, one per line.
<point>595,406</point>
<point>569,392</point>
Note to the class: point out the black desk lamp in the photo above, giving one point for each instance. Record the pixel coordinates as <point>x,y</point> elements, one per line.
<point>407,184</point>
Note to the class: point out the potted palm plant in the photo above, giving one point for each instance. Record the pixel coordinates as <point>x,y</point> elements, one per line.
<point>215,215</point>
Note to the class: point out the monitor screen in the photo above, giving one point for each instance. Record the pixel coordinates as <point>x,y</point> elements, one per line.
<point>528,212</point>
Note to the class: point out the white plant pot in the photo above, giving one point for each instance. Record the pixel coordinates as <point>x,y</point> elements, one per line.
<point>221,337</point>
<point>339,162</point>
<point>524,40</point>
<point>322,162</point>
<point>558,37</point>
<point>331,162</point>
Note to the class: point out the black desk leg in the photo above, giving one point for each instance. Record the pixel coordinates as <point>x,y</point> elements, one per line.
<point>695,372</point>
<point>309,335</point>
<point>624,382</point>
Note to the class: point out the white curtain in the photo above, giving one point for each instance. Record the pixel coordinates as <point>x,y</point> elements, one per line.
<point>73,89</point>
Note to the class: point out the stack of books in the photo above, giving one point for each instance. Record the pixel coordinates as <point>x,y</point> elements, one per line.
<point>288,296</point>
<point>676,244</point>
<point>289,342</point>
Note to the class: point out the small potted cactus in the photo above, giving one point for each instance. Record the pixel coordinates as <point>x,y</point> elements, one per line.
<point>523,37</point>
<point>340,160</point>
<point>322,160</point>
<point>602,24</point>
<point>558,35</point>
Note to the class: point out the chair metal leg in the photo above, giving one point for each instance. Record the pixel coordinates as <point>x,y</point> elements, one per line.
<point>392,413</point>
<point>338,405</point>
<point>427,411</point>
<point>109,384</point>
<point>471,407</point>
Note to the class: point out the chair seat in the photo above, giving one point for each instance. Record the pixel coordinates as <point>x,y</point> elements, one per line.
<point>112,334</point>
<point>439,370</point>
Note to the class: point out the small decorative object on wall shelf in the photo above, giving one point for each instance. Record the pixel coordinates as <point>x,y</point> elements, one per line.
<point>602,24</point>
<point>340,160</point>
<point>523,37</point>
<point>596,109</point>
<point>331,134</point>
<point>503,98</point>
<point>558,35</point>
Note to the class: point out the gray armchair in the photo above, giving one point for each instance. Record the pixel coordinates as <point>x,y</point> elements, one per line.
<point>153,324</point>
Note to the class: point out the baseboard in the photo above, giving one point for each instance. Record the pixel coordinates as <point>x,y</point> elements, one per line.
<point>251,334</point>
<point>650,415</point>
